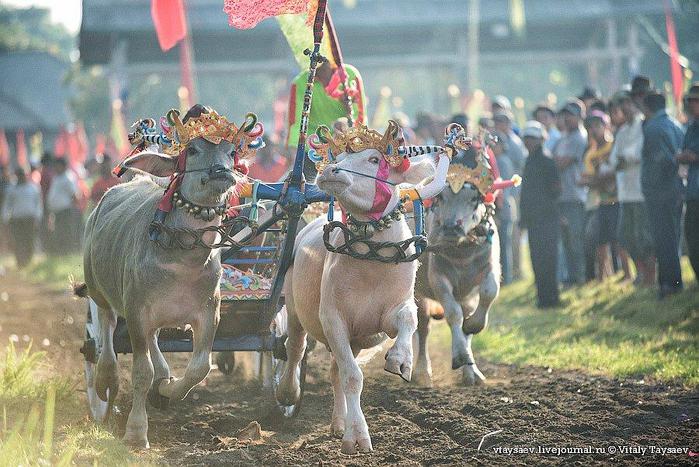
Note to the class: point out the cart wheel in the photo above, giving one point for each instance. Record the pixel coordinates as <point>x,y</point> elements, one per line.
<point>99,409</point>
<point>277,367</point>
<point>225,361</point>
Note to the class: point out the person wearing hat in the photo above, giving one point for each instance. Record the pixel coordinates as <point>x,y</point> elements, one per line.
<point>662,189</point>
<point>625,158</point>
<point>541,188</point>
<point>690,156</point>
<point>568,155</point>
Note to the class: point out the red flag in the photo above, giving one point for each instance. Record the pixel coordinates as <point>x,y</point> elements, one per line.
<point>21,149</point>
<point>675,67</point>
<point>169,20</point>
<point>4,149</point>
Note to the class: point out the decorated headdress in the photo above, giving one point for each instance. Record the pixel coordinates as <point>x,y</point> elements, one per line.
<point>176,134</point>
<point>207,124</point>
<point>325,146</point>
<point>473,166</point>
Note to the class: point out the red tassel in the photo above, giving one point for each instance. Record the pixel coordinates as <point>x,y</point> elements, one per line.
<point>489,198</point>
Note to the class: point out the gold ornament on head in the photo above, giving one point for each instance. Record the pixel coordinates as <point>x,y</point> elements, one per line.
<point>481,176</point>
<point>213,128</point>
<point>356,139</point>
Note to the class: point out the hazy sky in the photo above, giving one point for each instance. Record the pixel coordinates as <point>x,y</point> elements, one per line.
<point>68,12</point>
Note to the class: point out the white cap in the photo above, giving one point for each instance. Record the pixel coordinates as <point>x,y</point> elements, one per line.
<point>534,129</point>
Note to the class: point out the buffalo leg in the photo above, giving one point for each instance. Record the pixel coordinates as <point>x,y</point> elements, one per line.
<point>352,381</point>
<point>401,323</point>
<point>107,368</point>
<point>289,390</point>
<point>142,377</point>
<point>455,318</point>
<point>487,293</point>
<point>423,366</point>
<point>337,425</point>
<point>160,366</point>
<point>200,362</point>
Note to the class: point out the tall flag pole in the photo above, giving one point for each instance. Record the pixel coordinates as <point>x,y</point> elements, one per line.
<point>675,67</point>
<point>170,21</point>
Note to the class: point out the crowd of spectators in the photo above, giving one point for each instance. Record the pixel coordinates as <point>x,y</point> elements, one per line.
<point>606,183</point>
<point>45,205</point>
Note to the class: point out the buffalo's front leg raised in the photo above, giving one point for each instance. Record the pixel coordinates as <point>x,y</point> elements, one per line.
<point>199,364</point>
<point>487,293</point>
<point>401,323</point>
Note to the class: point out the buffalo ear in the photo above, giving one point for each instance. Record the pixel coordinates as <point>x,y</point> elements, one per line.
<point>418,171</point>
<point>156,164</point>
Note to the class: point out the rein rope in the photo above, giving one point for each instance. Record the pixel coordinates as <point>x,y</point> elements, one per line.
<point>338,169</point>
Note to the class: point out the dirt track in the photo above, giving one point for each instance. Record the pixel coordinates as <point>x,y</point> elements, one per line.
<point>534,408</point>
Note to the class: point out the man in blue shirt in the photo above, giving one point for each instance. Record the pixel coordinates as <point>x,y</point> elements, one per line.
<point>662,189</point>
<point>690,156</point>
<point>568,156</point>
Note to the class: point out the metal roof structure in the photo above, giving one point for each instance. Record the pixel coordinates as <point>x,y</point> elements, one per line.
<point>388,40</point>
<point>32,93</point>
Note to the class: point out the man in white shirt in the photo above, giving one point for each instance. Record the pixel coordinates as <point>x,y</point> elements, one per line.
<point>61,203</point>
<point>625,159</point>
<point>22,210</point>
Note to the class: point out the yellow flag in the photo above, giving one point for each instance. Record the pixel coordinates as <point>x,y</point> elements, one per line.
<point>517,18</point>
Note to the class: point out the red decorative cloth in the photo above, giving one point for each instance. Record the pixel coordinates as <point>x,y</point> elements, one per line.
<point>245,14</point>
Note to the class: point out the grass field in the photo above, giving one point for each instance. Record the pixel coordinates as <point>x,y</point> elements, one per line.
<point>609,328</point>
<point>43,421</point>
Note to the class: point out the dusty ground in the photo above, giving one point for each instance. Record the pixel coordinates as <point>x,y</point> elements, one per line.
<point>521,408</point>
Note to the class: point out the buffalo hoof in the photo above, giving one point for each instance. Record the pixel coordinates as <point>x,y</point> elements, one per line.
<point>352,446</point>
<point>399,364</point>
<point>423,379</point>
<point>156,399</point>
<point>136,442</point>
<point>337,428</point>
<point>107,378</point>
<point>472,376</point>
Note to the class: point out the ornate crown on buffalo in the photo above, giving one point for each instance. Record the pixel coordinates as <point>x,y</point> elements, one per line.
<point>472,166</point>
<point>325,147</point>
<point>211,126</point>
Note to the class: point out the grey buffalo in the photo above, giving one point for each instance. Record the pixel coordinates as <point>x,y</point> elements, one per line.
<point>127,275</point>
<point>461,272</point>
